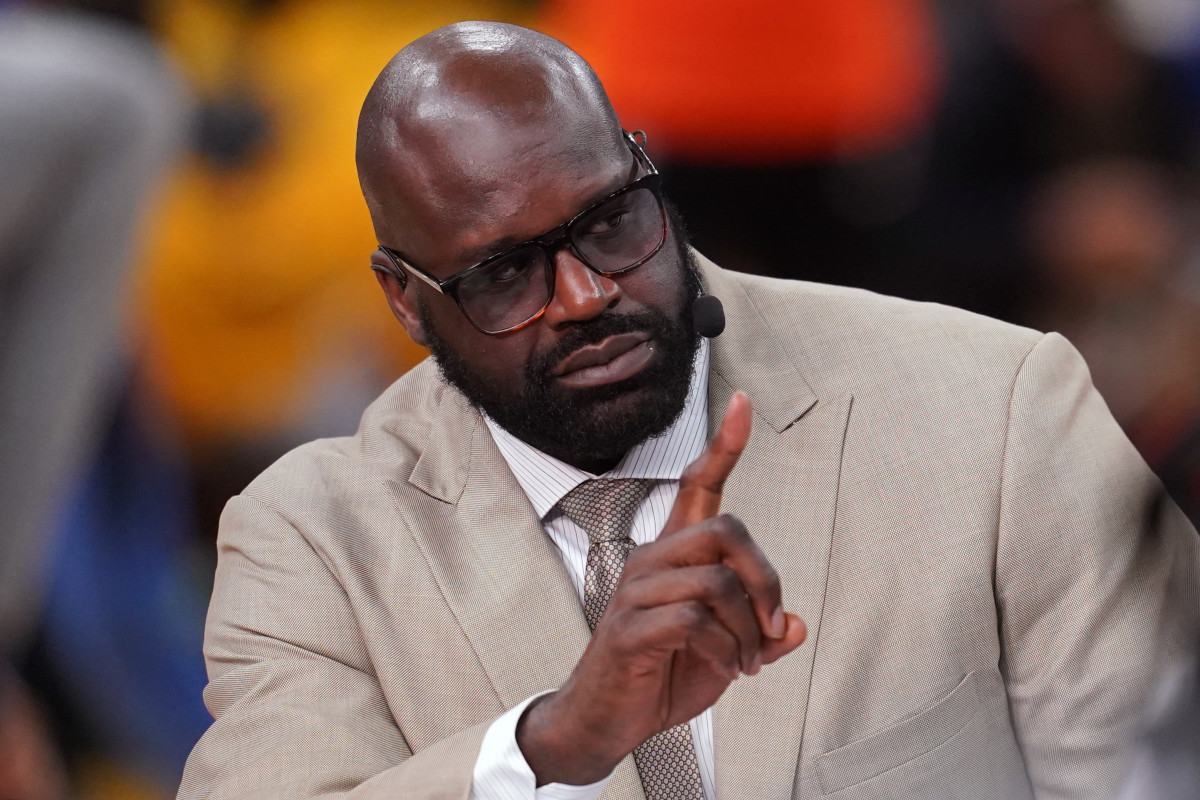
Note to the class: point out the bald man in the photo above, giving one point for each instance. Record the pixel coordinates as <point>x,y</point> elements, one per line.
<point>943,571</point>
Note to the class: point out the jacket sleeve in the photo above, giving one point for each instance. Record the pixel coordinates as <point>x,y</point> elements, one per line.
<point>298,710</point>
<point>1096,578</point>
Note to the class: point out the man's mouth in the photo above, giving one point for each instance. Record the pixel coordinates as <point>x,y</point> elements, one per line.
<point>610,360</point>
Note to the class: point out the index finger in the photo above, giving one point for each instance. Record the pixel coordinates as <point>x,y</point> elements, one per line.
<point>703,480</point>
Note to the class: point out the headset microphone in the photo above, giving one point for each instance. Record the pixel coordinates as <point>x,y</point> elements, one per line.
<point>708,316</point>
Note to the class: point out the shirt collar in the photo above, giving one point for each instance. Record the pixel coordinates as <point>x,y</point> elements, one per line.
<point>546,480</point>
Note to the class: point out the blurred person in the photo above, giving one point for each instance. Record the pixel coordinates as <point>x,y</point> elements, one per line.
<point>1030,86</point>
<point>89,118</point>
<point>90,115</point>
<point>1112,240</point>
<point>512,581</point>
<point>1091,93</point>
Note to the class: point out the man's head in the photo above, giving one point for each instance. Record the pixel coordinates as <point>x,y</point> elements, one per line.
<point>479,136</point>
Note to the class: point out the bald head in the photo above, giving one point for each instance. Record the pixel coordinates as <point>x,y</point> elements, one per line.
<point>477,140</point>
<point>460,111</point>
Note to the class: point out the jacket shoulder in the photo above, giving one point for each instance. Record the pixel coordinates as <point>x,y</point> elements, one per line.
<point>846,339</point>
<point>393,433</point>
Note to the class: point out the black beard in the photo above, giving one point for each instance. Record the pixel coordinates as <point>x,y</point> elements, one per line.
<point>592,428</point>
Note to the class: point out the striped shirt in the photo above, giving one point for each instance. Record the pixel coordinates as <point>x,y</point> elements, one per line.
<point>501,772</point>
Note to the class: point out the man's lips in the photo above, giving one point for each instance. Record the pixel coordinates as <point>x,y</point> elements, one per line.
<point>608,361</point>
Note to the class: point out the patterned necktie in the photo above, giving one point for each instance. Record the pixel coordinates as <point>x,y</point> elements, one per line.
<point>604,508</point>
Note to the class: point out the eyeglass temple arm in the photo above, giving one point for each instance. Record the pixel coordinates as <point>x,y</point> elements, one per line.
<point>637,143</point>
<point>402,271</point>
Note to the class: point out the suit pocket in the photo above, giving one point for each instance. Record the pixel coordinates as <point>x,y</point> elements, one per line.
<point>901,743</point>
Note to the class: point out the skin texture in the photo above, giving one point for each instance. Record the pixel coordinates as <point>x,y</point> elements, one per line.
<point>481,135</point>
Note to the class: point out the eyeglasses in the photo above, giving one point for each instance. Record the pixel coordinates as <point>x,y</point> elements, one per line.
<point>512,288</point>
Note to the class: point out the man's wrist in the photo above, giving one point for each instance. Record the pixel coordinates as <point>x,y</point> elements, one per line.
<point>555,750</point>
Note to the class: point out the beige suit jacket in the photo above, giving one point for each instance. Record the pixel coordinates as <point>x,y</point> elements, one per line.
<point>991,576</point>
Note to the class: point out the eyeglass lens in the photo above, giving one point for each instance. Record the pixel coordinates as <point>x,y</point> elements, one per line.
<point>612,237</point>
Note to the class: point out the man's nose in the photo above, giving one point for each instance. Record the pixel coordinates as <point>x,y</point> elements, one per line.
<point>579,292</point>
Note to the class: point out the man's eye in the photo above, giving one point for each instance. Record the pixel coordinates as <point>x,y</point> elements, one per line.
<point>509,271</point>
<point>608,222</point>
<point>507,274</point>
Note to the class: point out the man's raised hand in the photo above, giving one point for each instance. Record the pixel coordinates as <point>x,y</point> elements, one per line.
<point>700,490</point>
<point>693,610</point>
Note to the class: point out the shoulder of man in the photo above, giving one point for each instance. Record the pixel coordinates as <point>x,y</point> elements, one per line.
<point>849,340</point>
<point>339,475</point>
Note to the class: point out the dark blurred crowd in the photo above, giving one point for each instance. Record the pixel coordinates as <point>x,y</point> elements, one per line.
<point>184,292</point>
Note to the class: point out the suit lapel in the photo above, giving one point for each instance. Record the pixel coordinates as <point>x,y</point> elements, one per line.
<point>784,489</point>
<point>491,556</point>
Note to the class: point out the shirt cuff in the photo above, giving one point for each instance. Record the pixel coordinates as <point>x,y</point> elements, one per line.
<point>502,773</point>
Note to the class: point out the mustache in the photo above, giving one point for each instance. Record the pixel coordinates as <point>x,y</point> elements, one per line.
<point>594,331</point>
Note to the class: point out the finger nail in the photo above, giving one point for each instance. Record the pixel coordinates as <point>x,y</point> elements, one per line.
<point>778,624</point>
<point>756,664</point>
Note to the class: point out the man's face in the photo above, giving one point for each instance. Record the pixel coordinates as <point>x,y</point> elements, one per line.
<point>568,383</point>
<point>593,425</point>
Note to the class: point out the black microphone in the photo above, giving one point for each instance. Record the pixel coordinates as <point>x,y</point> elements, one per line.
<point>708,316</point>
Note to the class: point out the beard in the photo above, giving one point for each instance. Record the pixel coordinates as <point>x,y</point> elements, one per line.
<point>595,427</point>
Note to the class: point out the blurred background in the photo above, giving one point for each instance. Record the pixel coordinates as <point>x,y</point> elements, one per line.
<point>184,291</point>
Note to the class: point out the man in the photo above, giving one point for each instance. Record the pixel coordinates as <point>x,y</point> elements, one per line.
<point>987,574</point>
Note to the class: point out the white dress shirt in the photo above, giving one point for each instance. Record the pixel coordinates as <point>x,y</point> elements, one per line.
<point>501,772</point>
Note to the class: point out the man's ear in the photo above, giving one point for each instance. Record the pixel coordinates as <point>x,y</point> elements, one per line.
<point>402,302</point>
